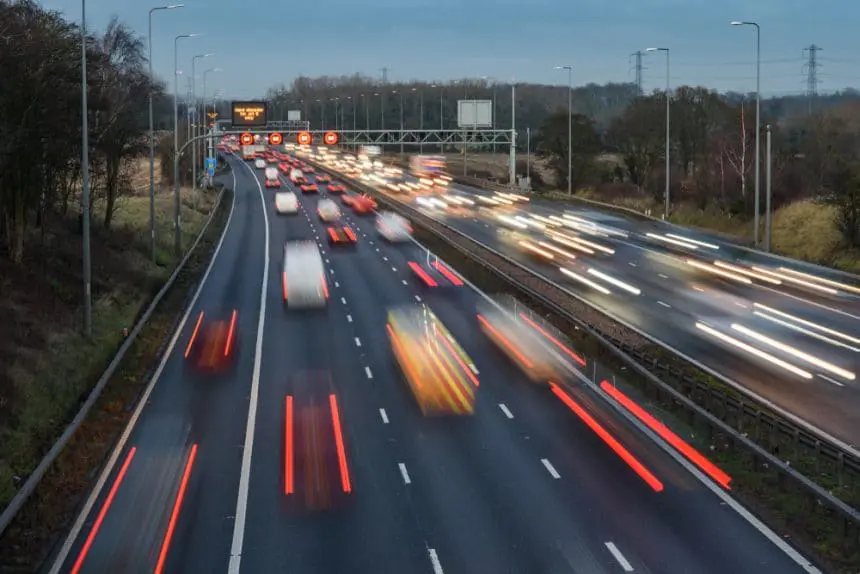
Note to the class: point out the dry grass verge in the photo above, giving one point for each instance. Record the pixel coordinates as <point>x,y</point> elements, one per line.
<point>50,368</point>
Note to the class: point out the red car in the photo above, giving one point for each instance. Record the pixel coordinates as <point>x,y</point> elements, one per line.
<point>341,235</point>
<point>273,183</point>
<point>316,450</point>
<point>363,204</point>
<point>323,178</point>
<point>308,169</point>
<point>434,273</point>
<point>298,180</point>
<point>336,188</point>
<point>310,188</point>
<point>212,346</point>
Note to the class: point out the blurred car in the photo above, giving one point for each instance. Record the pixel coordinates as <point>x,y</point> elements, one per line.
<point>347,198</point>
<point>273,183</point>
<point>335,187</point>
<point>286,202</point>
<point>297,177</point>
<point>308,169</point>
<point>212,345</point>
<point>309,188</point>
<point>434,273</point>
<point>284,167</point>
<point>363,204</point>
<point>304,281</point>
<point>328,210</point>
<point>316,466</point>
<point>393,227</point>
<point>442,377</point>
<point>323,178</point>
<point>260,163</point>
<point>526,342</point>
<point>341,235</point>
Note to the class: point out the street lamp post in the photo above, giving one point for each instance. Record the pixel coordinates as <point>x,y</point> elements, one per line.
<point>196,122</point>
<point>668,164</point>
<point>757,122</point>
<point>569,126</point>
<point>85,180</point>
<point>177,236</point>
<point>207,152</point>
<point>152,136</point>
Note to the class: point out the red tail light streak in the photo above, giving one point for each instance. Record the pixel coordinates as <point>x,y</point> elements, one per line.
<point>666,434</point>
<point>520,356</point>
<point>230,334</point>
<point>611,441</point>
<point>553,340</point>
<point>422,274</point>
<point>194,335</point>
<point>289,449</point>
<point>341,450</point>
<point>104,510</point>
<point>447,273</point>
<point>177,507</point>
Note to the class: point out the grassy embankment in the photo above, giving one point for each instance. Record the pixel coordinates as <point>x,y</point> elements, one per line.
<point>51,368</point>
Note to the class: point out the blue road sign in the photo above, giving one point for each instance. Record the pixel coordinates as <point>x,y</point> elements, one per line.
<point>210,166</point>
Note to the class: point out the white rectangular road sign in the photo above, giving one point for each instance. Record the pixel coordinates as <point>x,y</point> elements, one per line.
<point>294,115</point>
<point>475,114</point>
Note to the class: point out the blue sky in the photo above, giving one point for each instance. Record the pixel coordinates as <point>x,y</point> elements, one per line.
<point>260,43</point>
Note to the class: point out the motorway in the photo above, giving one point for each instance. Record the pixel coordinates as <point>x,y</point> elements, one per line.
<point>793,340</point>
<point>197,484</point>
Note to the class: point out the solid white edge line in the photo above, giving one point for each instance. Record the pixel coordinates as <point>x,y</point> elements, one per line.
<point>132,422</point>
<point>616,553</point>
<point>247,451</point>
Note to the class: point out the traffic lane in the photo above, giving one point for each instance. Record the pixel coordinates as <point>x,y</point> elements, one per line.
<point>182,410</point>
<point>464,485</point>
<point>689,529</point>
<point>678,540</point>
<point>672,547</point>
<point>356,538</point>
<point>679,299</point>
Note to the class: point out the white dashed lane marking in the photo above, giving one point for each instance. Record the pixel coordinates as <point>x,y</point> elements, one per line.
<point>550,468</point>
<point>404,473</point>
<point>506,410</point>
<point>616,553</point>
<point>384,416</point>
<point>368,372</point>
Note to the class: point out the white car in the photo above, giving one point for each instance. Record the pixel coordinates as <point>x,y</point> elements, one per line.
<point>328,210</point>
<point>286,202</point>
<point>259,163</point>
<point>393,227</point>
<point>304,281</point>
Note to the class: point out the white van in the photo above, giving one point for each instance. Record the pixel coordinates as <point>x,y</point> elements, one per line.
<point>259,163</point>
<point>304,280</point>
<point>286,202</point>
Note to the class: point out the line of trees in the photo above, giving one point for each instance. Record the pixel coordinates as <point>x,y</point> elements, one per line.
<point>712,154</point>
<point>40,117</point>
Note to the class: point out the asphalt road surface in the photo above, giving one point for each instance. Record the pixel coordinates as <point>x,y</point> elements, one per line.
<point>798,327</point>
<point>523,486</point>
